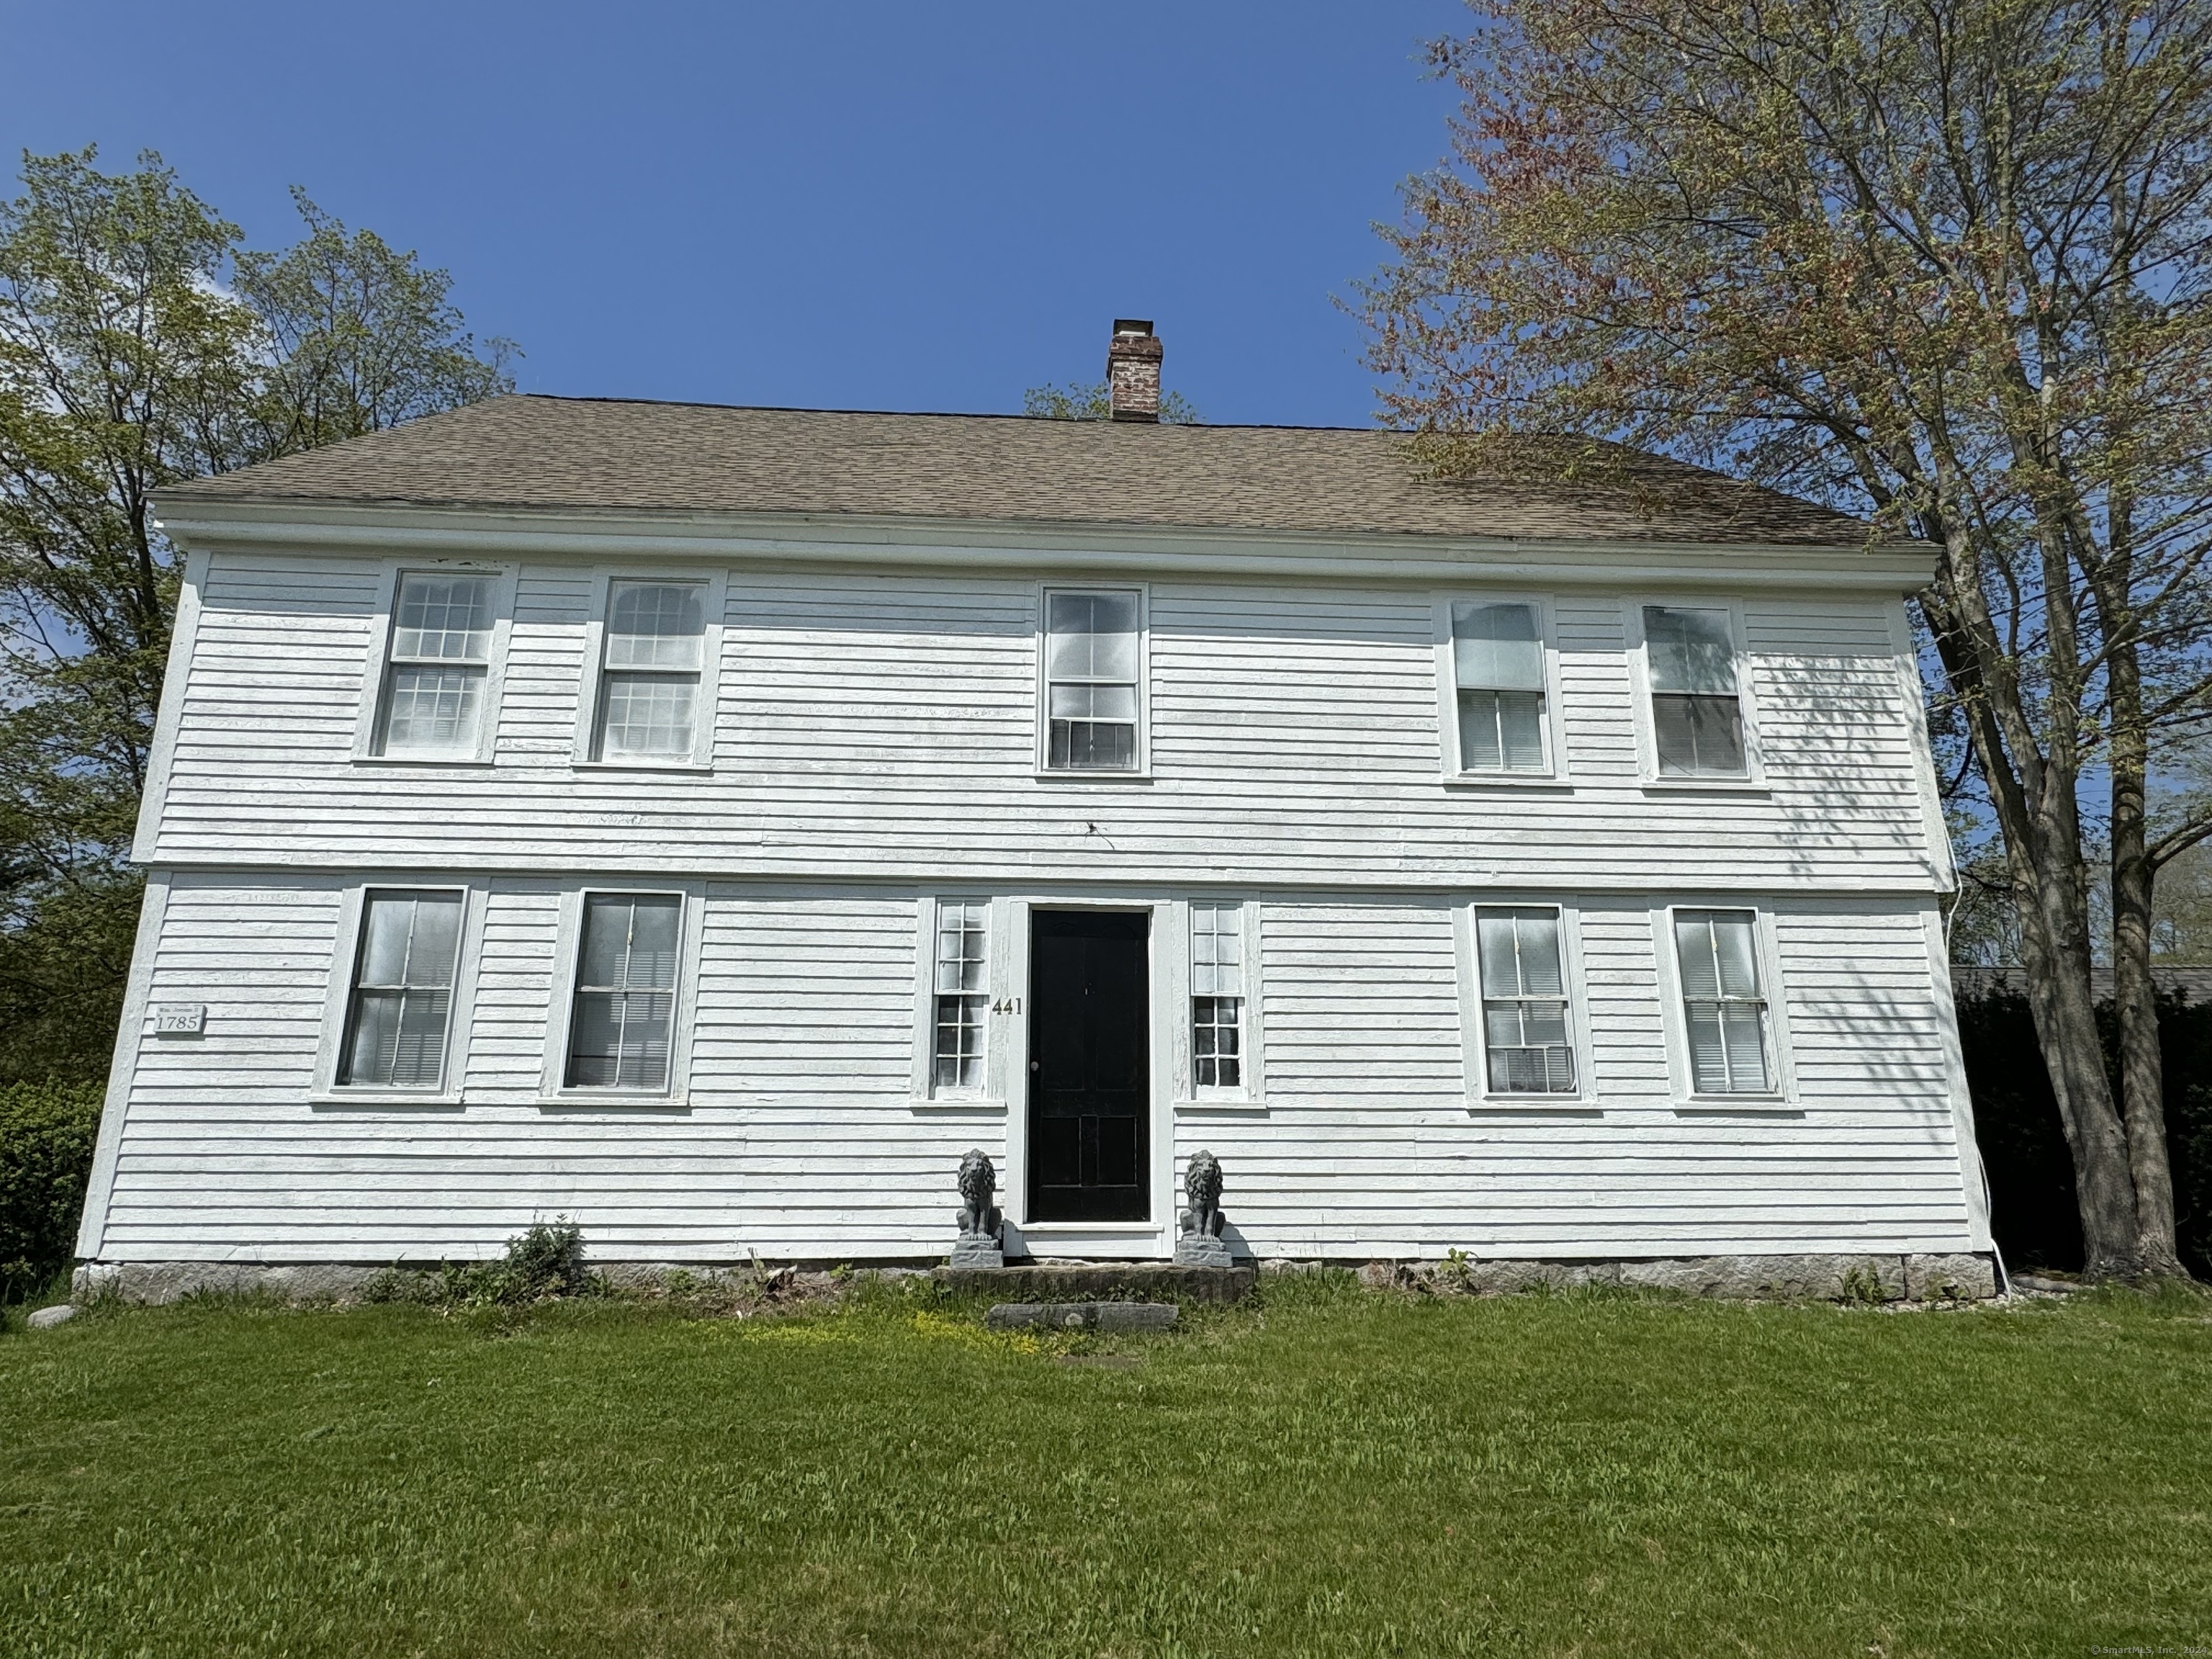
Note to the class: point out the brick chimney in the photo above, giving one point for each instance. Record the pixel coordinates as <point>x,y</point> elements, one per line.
<point>1132,371</point>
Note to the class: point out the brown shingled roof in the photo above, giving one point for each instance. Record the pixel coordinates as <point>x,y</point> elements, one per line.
<point>549,453</point>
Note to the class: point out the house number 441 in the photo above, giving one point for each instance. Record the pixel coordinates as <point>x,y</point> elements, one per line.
<point>1007,1006</point>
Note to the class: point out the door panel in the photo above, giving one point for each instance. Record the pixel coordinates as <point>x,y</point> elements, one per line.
<point>1090,1104</point>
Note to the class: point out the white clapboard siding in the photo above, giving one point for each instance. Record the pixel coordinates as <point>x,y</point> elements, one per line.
<point>883,726</point>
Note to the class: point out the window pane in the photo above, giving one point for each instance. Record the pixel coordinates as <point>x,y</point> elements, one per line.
<point>433,710</point>
<point>625,981</point>
<point>1520,952</point>
<point>960,964</point>
<point>646,714</point>
<point>1698,736</point>
<point>409,944</point>
<point>446,617</point>
<point>1689,650</point>
<point>1216,1047</point>
<point>1717,953</point>
<point>959,1051</point>
<point>1092,636</point>
<point>1494,647</point>
<point>1216,953</point>
<point>621,1040</point>
<point>1091,746</point>
<point>1094,703</point>
<point>1743,1033</point>
<point>630,941</point>
<point>655,625</point>
<point>1501,730</point>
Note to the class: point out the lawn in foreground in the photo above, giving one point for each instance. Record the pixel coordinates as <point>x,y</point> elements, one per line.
<point>1335,1472</point>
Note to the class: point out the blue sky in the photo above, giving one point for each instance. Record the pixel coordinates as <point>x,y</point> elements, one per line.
<point>854,205</point>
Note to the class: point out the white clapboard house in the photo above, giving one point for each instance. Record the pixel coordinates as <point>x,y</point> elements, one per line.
<point>708,823</point>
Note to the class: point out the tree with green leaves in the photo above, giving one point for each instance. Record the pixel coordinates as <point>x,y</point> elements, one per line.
<point>1946,263</point>
<point>1076,402</point>
<point>140,344</point>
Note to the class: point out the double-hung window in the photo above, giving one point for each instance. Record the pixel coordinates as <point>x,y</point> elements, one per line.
<point>1217,996</point>
<point>401,1005</point>
<point>1696,714</point>
<point>653,656</point>
<point>1497,669</point>
<point>960,997</point>
<point>1527,1039</point>
<point>1723,1005</point>
<point>621,1030</point>
<point>438,663</point>
<point>1092,653</point>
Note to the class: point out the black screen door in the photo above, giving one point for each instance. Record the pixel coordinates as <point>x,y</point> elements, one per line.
<point>1089,1104</point>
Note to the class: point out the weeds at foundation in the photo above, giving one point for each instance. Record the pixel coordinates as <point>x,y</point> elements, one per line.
<point>543,1263</point>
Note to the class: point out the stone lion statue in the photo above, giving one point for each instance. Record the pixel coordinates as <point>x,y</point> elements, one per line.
<point>1201,1185</point>
<point>978,1180</point>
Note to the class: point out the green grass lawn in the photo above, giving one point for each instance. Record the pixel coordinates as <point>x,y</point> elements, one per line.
<point>1333,1473</point>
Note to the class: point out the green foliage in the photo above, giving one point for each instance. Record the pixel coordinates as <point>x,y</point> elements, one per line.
<point>46,1136</point>
<point>140,345</point>
<point>541,1262</point>
<point>1330,1473</point>
<point>1076,402</point>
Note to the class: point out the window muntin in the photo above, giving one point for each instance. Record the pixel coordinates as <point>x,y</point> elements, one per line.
<point>1723,1007</point>
<point>1217,996</point>
<point>1498,671</point>
<point>961,994</point>
<point>1092,655</point>
<point>402,999</point>
<point>1697,714</point>
<point>1527,1037</point>
<point>622,1028</point>
<point>438,659</point>
<point>654,652</point>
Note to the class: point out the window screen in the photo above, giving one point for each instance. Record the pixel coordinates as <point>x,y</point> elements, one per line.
<point>1091,681</point>
<point>1497,661</point>
<point>625,1009</point>
<point>649,685</point>
<point>1217,995</point>
<point>1525,1029</point>
<point>440,652</point>
<point>961,992</point>
<point>402,991</point>
<point>1723,1008</point>
<point>1697,720</point>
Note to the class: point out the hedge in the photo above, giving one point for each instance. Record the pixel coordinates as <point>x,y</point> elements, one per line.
<point>47,1135</point>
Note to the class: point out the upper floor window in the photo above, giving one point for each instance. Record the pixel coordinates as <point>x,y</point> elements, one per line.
<point>962,993</point>
<point>439,658</point>
<point>1527,1041</point>
<point>653,653</point>
<point>1497,665</point>
<point>1697,715</point>
<point>1217,996</point>
<point>1723,1005</point>
<point>622,1028</point>
<point>1091,659</point>
<point>402,999</point>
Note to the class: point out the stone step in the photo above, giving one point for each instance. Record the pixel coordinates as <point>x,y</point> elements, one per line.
<point>1083,1316</point>
<point>1100,1280</point>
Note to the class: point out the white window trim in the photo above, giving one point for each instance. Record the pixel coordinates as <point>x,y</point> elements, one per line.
<point>1249,1096</point>
<point>1142,771</point>
<point>713,603</point>
<point>1447,670</point>
<point>568,938</point>
<point>1754,775</point>
<point>1475,1033</point>
<point>377,672</point>
<point>1003,1006</point>
<point>1681,1076</point>
<point>338,1000</point>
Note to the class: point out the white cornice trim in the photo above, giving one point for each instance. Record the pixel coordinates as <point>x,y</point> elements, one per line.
<point>811,539</point>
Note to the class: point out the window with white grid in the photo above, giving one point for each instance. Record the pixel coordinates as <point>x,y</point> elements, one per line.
<point>439,657</point>
<point>962,993</point>
<point>1724,1004</point>
<point>402,991</point>
<point>1217,995</point>
<point>1697,715</point>
<point>624,1020</point>
<point>1497,665</point>
<point>654,651</point>
<point>1526,1035</point>
<point>1092,652</point>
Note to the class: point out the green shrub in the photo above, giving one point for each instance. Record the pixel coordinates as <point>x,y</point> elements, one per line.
<point>46,1136</point>
<point>540,1262</point>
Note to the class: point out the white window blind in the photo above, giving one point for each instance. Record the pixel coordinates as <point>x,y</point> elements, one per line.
<point>1697,718</point>
<point>962,993</point>
<point>1091,681</point>
<point>1525,1029</point>
<point>1497,661</point>
<point>402,991</point>
<point>625,1007</point>
<point>1724,1009</point>
<point>1217,995</point>
<point>441,653</point>
<point>649,685</point>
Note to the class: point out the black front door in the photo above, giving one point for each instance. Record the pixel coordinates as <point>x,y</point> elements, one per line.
<point>1089,1104</point>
